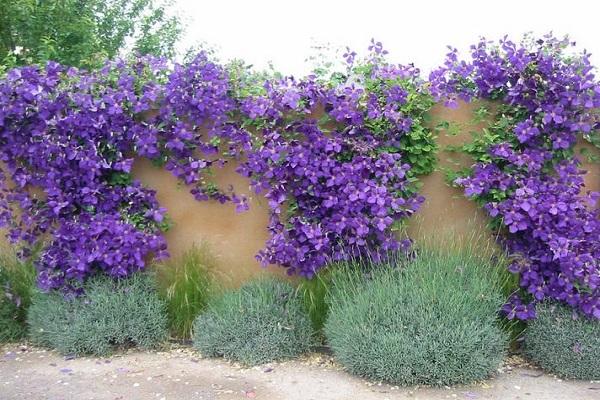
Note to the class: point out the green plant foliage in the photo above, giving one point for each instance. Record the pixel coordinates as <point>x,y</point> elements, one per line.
<point>430,320</point>
<point>84,33</point>
<point>112,313</point>
<point>186,285</point>
<point>17,279</point>
<point>563,343</point>
<point>264,320</point>
<point>314,292</point>
<point>10,328</point>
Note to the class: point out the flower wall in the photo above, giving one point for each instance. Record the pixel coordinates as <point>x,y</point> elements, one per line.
<point>336,185</point>
<point>337,157</point>
<point>526,175</point>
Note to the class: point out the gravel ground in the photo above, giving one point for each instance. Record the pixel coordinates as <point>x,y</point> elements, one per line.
<point>180,374</point>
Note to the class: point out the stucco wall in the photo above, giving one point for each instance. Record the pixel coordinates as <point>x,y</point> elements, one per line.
<point>234,238</point>
<point>445,210</point>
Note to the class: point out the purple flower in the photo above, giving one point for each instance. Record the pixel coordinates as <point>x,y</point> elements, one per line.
<point>523,176</point>
<point>526,130</point>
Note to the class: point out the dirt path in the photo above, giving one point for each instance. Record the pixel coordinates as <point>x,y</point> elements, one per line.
<point>180,374</point>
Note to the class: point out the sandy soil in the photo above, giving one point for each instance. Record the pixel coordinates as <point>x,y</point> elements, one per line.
<point>181,374</point>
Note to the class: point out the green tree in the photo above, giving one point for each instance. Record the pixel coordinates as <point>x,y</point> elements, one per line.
<point>82,33</point>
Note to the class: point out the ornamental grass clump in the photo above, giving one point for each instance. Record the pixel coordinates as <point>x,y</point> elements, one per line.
<point>263,321</point>
<point>564,343</point>
<point>314,292</point>
<point>17,280</point>
<point>186,285</point>
<point>431,320</point>
<point>109,314</point>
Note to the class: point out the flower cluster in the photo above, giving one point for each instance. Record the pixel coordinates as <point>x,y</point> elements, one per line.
<point>66,146</point>
<point>195,127</point>
<point>526,174</point>
<point>337,180</point>
<point>336,184</point>
<point>68,139</point>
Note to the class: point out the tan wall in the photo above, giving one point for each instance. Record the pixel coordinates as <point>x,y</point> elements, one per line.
<point>592,177</point>
<point>235,238</point>
<point>446,211</point>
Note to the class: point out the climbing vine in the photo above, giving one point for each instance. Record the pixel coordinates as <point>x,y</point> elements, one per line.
<point>540,98</point>
<point>337,182</point>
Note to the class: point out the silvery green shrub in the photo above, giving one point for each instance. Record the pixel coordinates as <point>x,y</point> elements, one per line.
<point>264,320</point>
<point>563,342</point>
<point>109,314</point>
<point>428,321</point>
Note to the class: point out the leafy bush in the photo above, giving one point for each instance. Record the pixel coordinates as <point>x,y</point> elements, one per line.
<point>264,320</point>
<point>80,33</point>
<point>186,286</point>
<point>431,320</point>
<point>17,280</point>
<point>562,343</point>
<point>111,313</point>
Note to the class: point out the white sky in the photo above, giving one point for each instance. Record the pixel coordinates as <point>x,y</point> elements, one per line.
<point>417,31</point>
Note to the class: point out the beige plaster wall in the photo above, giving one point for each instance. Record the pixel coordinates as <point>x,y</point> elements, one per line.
<point>446,211</point>
<point>235,238</point>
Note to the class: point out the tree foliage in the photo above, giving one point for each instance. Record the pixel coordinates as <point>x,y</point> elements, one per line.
<point>83,33</point>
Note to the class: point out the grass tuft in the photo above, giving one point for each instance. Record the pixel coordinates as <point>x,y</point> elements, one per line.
<point>17,282</point>
<point>186,285</point>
